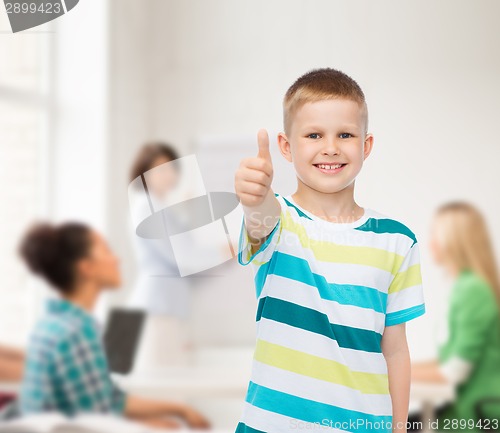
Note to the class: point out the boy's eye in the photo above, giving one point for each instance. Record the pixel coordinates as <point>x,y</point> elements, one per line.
<point>345,135</point>
<point>313,135</point>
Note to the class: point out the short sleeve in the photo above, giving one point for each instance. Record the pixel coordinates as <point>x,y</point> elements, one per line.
<point>405,298</point>
<point>266,249</point>
<point>474,313</point>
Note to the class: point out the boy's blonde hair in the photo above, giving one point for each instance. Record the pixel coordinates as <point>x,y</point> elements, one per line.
<point>318,85</point>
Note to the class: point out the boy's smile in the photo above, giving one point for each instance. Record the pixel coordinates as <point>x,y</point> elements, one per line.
<point>327,143</point>
<point>330,168</point>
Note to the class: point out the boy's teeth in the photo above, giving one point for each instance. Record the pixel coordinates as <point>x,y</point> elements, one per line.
<point>329,167</point>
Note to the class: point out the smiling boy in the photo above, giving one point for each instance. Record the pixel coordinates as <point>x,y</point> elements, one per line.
<point>335,282</point>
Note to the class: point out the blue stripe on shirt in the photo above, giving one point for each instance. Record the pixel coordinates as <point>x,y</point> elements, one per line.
<point>298,408</point>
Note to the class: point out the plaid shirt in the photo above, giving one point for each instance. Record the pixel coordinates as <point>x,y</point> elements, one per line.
<point>66,368</point>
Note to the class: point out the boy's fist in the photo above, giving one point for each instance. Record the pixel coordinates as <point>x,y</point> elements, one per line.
<point>253,178</point>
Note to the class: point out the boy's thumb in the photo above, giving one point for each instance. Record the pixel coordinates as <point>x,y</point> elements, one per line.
<point>263,140</point>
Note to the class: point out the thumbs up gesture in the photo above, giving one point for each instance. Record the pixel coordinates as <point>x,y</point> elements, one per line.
<point>253,178</point>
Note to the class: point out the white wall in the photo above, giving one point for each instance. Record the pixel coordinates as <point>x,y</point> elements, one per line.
<point>129,120</point>
<point>78,143</point>
<point>187,69</point>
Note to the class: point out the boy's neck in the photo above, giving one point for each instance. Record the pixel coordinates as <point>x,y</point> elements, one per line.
<point>337,207</point>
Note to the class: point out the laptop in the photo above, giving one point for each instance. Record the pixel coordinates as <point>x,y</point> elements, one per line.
<point>121,338</point>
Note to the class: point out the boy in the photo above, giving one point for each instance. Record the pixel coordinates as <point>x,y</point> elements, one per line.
<point>335,282</point>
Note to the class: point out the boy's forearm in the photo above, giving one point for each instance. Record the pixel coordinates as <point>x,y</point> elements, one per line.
<point>261,219</point>
<point>399,371</point>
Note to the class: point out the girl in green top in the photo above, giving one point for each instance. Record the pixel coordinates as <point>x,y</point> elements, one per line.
<point>470,357</point>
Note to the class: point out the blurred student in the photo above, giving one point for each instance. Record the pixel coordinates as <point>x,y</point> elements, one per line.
<point>470,356</point>
<point>155,255</point>
<point>159,289</point>
<point>66,367</point>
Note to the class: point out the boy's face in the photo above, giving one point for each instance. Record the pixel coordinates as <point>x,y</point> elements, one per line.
<point>327,132</point>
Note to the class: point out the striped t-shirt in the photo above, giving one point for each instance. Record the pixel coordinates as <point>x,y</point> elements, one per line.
<point>325,293</point>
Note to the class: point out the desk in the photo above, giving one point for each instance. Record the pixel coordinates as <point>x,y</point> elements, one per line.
<point>211,382</point>
<point>10,387</point>
<point>230,384</point>
<point>97,423</point>
<point>218,392</point>
<point>188,382</point>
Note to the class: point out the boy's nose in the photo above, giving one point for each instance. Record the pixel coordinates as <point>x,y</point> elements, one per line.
<point>331,147</point>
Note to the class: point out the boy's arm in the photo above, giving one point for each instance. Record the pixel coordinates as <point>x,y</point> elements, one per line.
<point>397,356</point>
<point>253,187</point>
<point>260,220</point>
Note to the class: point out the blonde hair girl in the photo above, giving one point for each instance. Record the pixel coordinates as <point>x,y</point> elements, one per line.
<point>470,356</point>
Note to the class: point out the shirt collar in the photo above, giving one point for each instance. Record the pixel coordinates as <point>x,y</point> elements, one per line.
<point>62,306</point>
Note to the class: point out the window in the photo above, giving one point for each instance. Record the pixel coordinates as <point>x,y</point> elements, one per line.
<point>24,114</point>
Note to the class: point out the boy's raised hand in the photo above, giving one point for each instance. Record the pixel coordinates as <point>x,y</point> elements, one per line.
<point>253,178</point>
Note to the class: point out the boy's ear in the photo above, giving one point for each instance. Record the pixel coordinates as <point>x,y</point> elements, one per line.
<point>368,145</point>
<point>284,146</point>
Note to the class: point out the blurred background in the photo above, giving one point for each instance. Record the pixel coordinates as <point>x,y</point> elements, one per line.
<point>80,95</point>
